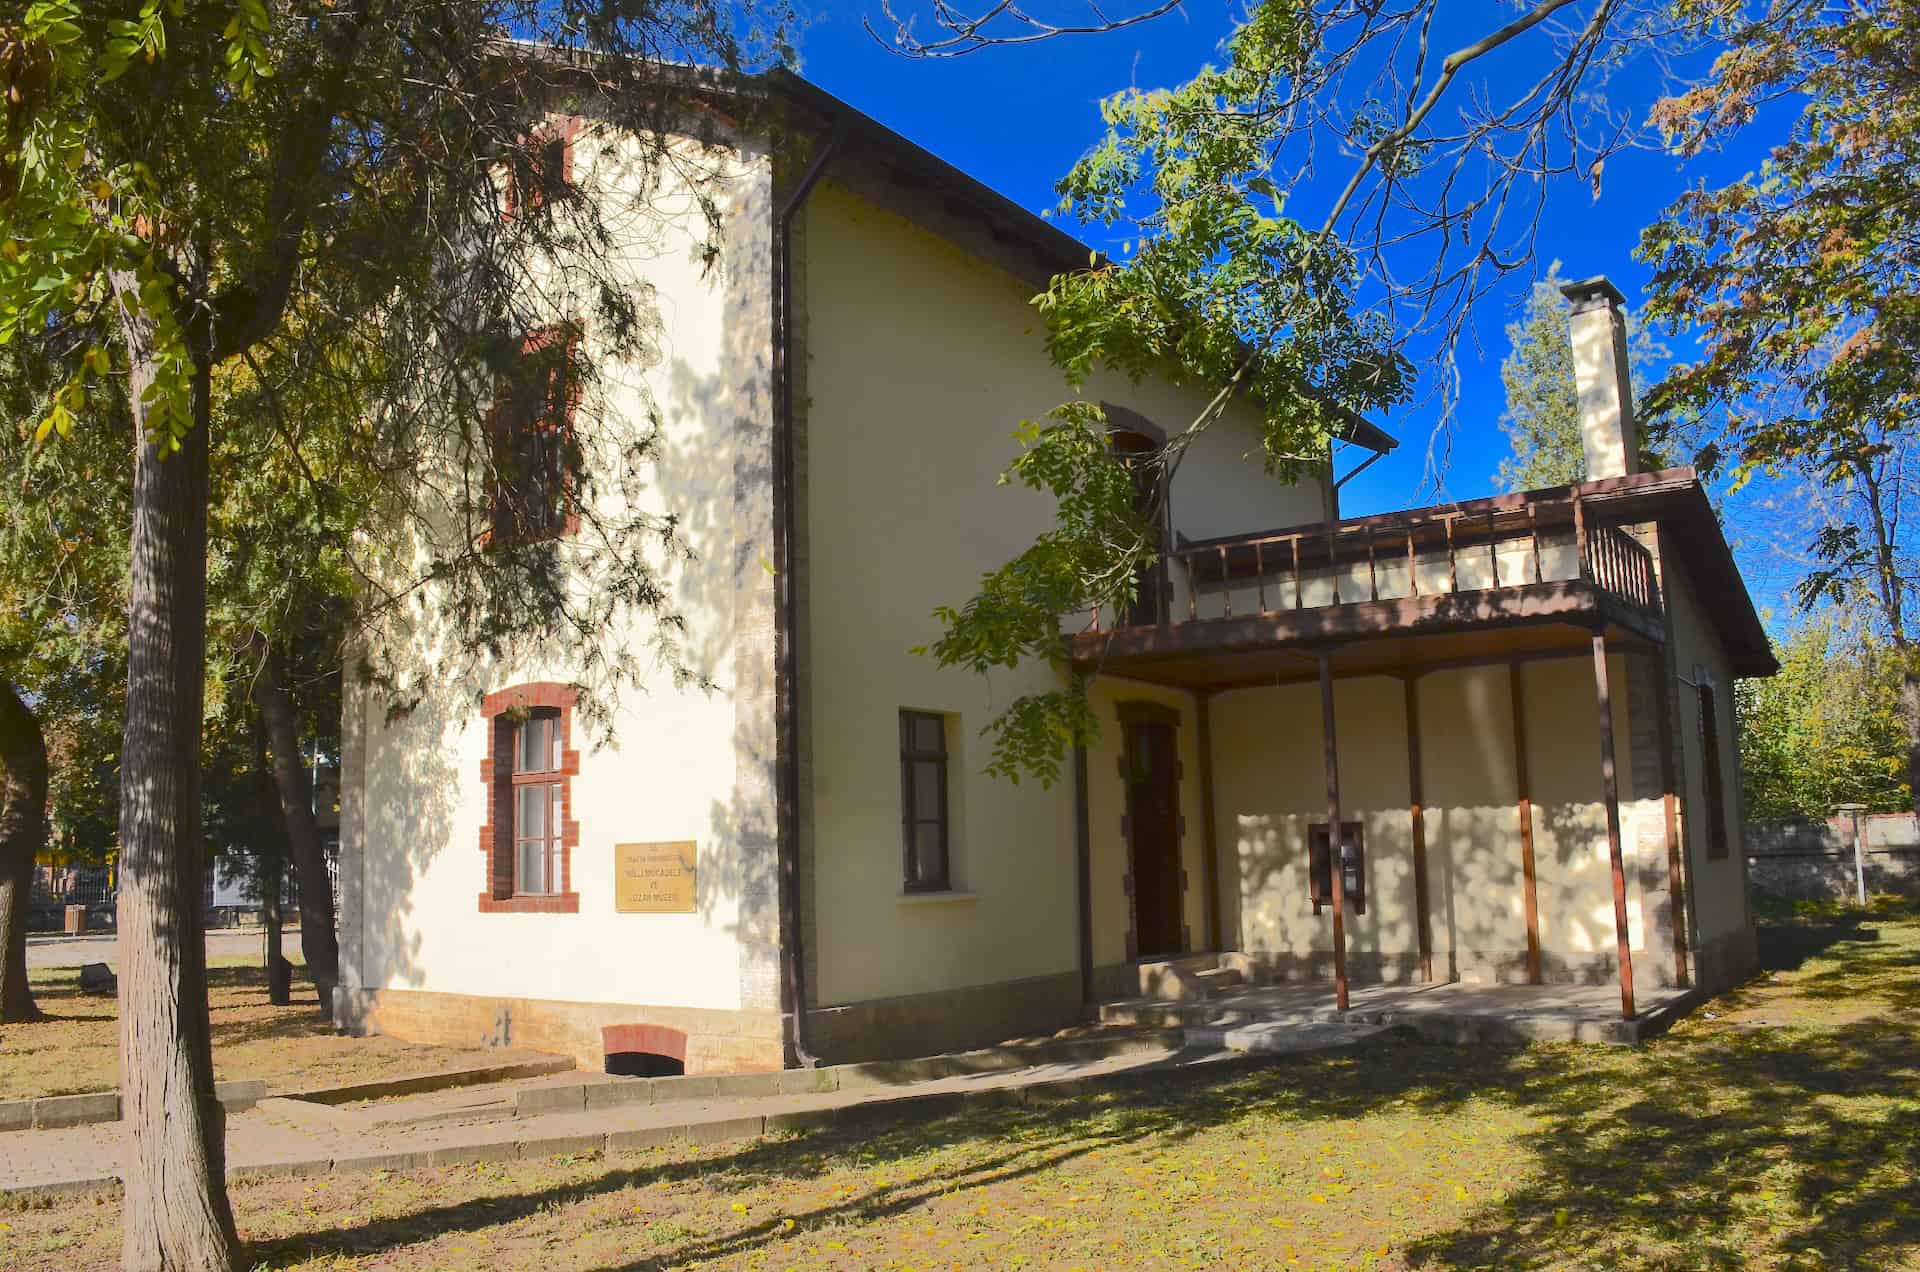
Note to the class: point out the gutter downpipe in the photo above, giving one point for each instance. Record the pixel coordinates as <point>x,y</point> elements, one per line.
<point>786,612</point>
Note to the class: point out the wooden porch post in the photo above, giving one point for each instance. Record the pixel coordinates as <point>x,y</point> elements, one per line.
<point>1610,788</point>
<point>1083,872</point>
<point>1670,797</point>
<point>1416,797</point>
<point>1210,848</point>
<point>1523,802</point>
<point>1339,878</point>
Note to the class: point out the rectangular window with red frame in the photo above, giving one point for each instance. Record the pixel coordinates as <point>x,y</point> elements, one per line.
<point>537,806</point>
<point>541,167</point>
<point>534,452</point>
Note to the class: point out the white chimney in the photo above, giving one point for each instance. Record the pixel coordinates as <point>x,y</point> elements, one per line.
<point>1599,330</point>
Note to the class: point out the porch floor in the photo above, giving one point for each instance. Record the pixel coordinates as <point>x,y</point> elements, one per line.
<point>1454,1011</point>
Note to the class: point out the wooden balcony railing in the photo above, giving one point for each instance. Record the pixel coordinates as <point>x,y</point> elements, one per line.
<point>1393,558</point>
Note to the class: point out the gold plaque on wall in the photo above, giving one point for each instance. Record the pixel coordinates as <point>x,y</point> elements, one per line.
<point>654,878</point>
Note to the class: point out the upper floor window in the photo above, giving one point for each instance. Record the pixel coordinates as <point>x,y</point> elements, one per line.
<point>534,451</point>
<point>925,825</point>
<point>542,167</point>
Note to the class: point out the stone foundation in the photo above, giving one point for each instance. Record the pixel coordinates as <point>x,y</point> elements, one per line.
<point>716,1041</point>
<point>1726,960</point>
<point>948,1020</point>
<point>1472,967</point>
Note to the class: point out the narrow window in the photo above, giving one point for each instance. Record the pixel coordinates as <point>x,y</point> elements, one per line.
<point>923,800</point>
<point>1353,866</point>
<point>1710,762</point>
<point>533,454</point>
<point>540,169</point>
<point>536,804</point>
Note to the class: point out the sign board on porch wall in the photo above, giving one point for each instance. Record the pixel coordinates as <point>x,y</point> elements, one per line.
<point>654,878</point>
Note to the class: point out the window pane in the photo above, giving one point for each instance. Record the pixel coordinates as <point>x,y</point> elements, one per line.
<point>536,745</point>
<point>926,789</point>
<point>533,811</point>
<point>533,865</point>
<point>930,734</point>
<point>929,854</point>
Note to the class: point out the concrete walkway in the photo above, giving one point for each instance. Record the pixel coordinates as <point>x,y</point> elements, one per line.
<point>104,947</point>
<point>297,1137</point>
<point>1444,1012</point>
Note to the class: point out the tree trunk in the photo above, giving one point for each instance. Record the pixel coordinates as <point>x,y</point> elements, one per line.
<point>23,836</point>
<point>271,874</point>
<point>1910,716</point>
<point>176,1214</point>
<point>319,941</point>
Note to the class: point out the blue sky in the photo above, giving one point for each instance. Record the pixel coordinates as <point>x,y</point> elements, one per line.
<point>1017,118</point>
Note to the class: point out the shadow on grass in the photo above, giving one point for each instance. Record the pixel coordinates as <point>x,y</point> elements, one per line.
<point>1713,1147</point>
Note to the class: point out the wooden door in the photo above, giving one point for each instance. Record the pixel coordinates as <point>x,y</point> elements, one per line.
<point>1153,822</point>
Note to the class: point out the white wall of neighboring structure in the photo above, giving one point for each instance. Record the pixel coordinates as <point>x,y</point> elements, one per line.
<point>679,763</point>
<point>921,361</point>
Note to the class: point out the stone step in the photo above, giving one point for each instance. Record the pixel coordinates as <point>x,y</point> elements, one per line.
<point>1282,1037</point>
<point>1173,979</point>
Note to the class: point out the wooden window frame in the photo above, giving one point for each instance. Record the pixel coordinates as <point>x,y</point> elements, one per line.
<point>561,397</point>
<point>503,711</point>
<point>556,130</point>
<point>1320,866</point>
<point>911,816</point>
<point>1713,771</point>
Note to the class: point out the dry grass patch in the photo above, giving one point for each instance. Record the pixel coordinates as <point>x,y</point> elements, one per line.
<point>1721,1145</point>
<point>76,1048</point>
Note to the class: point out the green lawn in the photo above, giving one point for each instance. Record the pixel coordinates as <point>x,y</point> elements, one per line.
<point>1782,1131</point>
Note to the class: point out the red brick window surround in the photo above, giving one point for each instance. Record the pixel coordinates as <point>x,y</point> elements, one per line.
<point>528,771</point>
<point>535,451</point>
<point>542,167</point>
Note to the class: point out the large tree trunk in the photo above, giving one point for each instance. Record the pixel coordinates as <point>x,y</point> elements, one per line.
<point>319,940</point>
<point>23,836</point>
<point>176,1214</point>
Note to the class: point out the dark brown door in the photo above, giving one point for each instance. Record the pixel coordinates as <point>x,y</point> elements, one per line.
<point>1153,831</point>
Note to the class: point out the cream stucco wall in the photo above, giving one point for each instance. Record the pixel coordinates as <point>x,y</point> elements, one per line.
<point>920,362</point>
<point>677,763</point>
<point>1717,896</point>
<point>1271,788</point>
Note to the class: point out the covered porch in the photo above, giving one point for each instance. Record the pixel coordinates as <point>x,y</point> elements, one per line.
<point>1455,684</point>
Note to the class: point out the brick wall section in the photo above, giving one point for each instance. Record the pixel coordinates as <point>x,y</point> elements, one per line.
<point>713,1041</point>
<point>653,1040</point>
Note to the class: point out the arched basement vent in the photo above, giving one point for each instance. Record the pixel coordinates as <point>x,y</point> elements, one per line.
<point>644,1051</point>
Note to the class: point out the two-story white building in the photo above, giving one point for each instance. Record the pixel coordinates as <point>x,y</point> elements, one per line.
<point>1518,709</point>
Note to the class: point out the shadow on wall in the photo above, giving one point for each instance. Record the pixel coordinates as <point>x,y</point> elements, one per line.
<point>688,450</point>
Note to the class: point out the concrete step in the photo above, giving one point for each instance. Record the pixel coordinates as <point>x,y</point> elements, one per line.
<point>1219,980</point>
<point>1283,1037</point>
<point>1173,979</point>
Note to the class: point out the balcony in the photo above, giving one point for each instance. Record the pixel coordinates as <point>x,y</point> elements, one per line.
<point>1496,578</point>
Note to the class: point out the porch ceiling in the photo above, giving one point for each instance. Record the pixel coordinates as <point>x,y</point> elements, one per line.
<point>1406,636</point>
